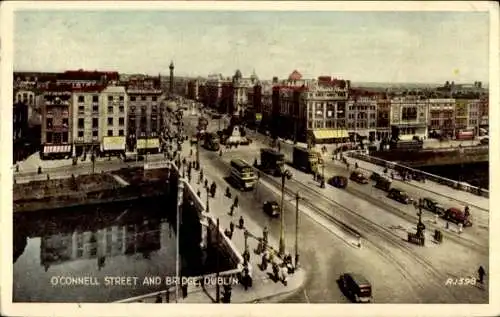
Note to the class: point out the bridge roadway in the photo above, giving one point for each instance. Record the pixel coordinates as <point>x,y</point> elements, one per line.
<point>388,254</point>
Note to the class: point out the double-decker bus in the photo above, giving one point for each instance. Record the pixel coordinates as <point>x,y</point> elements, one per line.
<point>242,175</point>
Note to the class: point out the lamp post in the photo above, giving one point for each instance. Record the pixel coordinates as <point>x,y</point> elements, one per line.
<point>323,175</point>
<point>286,174</point>
<point>297,198</point>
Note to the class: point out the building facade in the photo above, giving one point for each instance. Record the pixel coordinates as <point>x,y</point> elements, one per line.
<point>409,117</point>
<point>383,125</point>
<point>113,119</point>
<point>144,115</point>
<point>362,115</point>
<point>442,116</point>
<point>87,115</point>
<point>56,130</point>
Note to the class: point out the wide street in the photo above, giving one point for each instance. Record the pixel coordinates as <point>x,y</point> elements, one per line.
<point>393,264</point>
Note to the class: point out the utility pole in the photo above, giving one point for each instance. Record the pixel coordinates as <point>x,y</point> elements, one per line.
<point>178,225</point>
<point>297,198</point>
<point>282,217</point>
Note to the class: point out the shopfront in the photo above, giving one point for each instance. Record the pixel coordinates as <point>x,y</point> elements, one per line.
<point>148,145</point>
<point>113,145</point>
<point>59,151</point>
<point>325,136</point>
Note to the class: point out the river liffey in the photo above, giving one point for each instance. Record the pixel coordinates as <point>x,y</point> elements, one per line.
<point>102,253</point>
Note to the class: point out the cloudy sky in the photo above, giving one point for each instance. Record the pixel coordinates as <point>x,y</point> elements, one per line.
<point>361,46</point>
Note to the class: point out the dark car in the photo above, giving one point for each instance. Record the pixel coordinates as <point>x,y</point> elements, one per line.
<point>271,208</point>
<point>358,177</point>
<point>356,287</point>
<point>216,116</point>
<point>399,195</point>
<point>375,176</point>
<point>457,216</point>
<point>194,140</point>
<point>432,205</point>
<point>338,181</point>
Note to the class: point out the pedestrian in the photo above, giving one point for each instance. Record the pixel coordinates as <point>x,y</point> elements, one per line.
<point>241,222</point>
<point>265,233</point>
<point>158,299</point>
<point>356,165</point>
<point>39,170</point>
<point>263,263</point>
<point>231,210</point>
<point>220,152</point>
<point>198,193</point>
<point>231,227</point>
<point>236,200</point>
<point>206,183</point>
<point>481,272</point>
<point>190,152</point>
<point>213,188</point>
<point>17,168</point>
<point>228,192</point>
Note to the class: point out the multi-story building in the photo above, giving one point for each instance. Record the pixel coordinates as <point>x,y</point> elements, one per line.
<point>213,91</point>
<point>87,112</point>
<point>409,117</point>
<point>362,114</point>
<point>57,125</point>
<point>19,130</point>
<point>240,92</point>
<point>473,114</point>
<point>442,116</point>
<point>484,113</point>
<point>113,119</point>
<point>309,110</point>
<point>383,117</point>
<point>144,115</point>
<point>461,114</point>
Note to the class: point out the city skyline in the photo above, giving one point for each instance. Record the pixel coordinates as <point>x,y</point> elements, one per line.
<point>419,47</point>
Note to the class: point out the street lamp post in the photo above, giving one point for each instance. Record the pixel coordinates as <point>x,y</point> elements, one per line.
<point>297,198</point>
<point>323,175</point>
<point>286,174</point>
<point>207,204</point>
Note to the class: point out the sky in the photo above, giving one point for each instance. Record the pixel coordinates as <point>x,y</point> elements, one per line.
<point>423,47</point>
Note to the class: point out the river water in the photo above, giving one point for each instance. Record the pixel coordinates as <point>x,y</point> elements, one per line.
<point>476,174</point>
<point>133,239</point>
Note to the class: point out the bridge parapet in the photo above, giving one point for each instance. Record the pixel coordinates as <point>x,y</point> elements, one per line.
<point>435,178</point>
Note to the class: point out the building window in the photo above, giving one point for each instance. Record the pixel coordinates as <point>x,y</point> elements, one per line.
<point>95,123</point>
<point>110,109</point>
<point>143,98</point>
<point>110,98</point>
<point>95,133</point>
<point>154,98</point>
<point>110,121</point>
<point>95,109</point>
<point>122,98</point>
<point>49,137</point>
<point>122,109</point>
<point>132,98</point>
<point>95,98</point>
<point>143,110</point>
<point>80,134</point>
<point>65,137</point>
<point>81,123</point>
<point>49,123</point>
<point>110,132</point>
<point>65,122</point>
<point>81,98</point>
<point>81,109</point>
<point>121,121</point>
<point>120,132</point>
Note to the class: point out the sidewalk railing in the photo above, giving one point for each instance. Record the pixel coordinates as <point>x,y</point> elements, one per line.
<point>435,178</point>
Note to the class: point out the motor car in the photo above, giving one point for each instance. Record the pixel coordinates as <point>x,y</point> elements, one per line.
<point>338,181</point>
<point>457,216</point>
<point>399,195</point>
<point>271,208</point>
<point>356,287</point>
<point>358,177</point>
<point>432,205</point>
<point>484,141</point>
<point>194,140</point>
<point>375,176</point>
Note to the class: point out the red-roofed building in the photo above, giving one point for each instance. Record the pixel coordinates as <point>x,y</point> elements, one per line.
<point>295,76</point>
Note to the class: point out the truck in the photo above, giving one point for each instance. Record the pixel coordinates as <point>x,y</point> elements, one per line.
<point>306,160</point>
<point>211,141</point>
<point>271,161</point>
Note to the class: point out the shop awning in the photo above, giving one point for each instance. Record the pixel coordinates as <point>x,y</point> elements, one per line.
<point>113,143</point>
<point>148,143</point>
<point>330,134</point>
<point>364,133</point>
<point>57,149</point>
